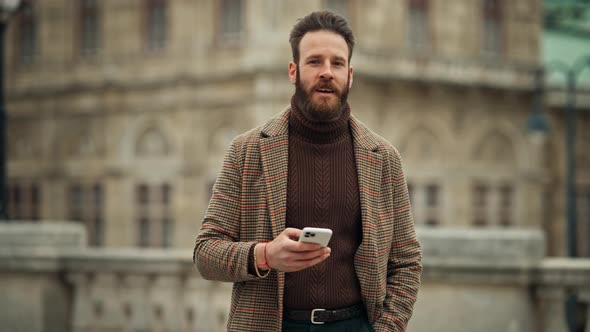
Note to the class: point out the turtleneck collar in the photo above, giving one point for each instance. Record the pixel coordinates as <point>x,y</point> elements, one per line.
<point>318,132</point>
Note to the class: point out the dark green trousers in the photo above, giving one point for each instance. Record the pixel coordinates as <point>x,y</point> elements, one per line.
<point>360,324</point>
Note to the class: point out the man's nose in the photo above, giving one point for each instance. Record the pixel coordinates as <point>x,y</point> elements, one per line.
<point>326,72</point>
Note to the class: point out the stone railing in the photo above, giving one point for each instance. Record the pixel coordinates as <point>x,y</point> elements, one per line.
<point>484,280</point>
<point>51,282</point>
<point>143,290</point>
<point>495,280</point>
<point>457,71</point>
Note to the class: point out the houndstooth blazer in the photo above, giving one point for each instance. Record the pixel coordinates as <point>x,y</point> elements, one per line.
<point>248,205</point>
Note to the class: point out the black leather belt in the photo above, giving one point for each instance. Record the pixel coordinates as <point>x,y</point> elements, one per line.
<point>321,316</point>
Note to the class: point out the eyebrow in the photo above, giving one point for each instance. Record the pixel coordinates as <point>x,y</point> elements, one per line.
<point>315,56</point>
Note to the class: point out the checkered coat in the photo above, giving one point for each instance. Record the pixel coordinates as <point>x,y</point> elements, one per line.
<point>249,203</point>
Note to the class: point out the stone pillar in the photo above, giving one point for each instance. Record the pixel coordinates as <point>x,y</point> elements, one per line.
<point>552,309</point>
<point>81,310</point>
<point>118,189</point>
<point>34,297</point>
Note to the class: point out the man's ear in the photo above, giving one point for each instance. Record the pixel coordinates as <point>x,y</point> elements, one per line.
<point>351,72</point>
<point>292,72</point>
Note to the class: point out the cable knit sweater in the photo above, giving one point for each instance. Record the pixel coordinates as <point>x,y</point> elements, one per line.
<point>322,191</point>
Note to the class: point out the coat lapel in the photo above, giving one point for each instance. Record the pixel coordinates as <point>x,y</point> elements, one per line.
<point>369,164</point>
<point>274,155</point>
<point>274,152</point>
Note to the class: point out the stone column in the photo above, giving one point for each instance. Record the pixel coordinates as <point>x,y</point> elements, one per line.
<point>552,310</point>
<point>119,224</point>
<point>34,297</point>
<point>81,313</point>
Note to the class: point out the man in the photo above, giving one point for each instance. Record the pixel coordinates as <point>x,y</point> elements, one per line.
<point>313,165</point>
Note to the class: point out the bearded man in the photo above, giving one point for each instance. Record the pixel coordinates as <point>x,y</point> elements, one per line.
<point>313,165</point>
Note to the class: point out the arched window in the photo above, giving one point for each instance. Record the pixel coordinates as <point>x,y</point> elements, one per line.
<point>86,205</point>
<point>492,37</point>
<point>155,220</point>
<point>231,22</point>
<point>156,24</point>
<point>418,26</point>
<point>27,33</point>
<point>89,30</point>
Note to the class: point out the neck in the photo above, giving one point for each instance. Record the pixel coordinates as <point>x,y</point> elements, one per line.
<point>318,131</point>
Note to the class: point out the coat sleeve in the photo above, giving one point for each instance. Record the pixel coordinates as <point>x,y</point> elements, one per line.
<point>404,265</point>
<point>219,254</point>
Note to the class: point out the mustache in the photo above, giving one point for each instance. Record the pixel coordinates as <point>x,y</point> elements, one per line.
<point>325,85</point>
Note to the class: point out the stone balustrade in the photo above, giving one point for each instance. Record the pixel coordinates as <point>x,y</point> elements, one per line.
<point>473,280</point>
<point>143,290</point>
<point>495,280</point>
<point>55,283</point>
<point>387,65</point>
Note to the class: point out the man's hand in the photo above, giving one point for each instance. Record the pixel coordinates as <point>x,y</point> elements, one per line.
<point>285,253</point>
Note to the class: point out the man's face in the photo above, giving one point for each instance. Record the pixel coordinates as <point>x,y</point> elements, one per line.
<point>323,77</point>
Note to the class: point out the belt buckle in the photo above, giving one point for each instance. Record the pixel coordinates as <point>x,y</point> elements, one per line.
<point>313,321</point>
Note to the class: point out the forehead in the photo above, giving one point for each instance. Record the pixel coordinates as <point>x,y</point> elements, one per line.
<point>323,43</point>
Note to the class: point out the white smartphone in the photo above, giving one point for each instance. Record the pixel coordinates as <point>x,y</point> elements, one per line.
<point>320,236</point>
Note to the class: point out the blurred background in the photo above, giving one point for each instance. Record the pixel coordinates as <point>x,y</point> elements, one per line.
<point>115,116</point>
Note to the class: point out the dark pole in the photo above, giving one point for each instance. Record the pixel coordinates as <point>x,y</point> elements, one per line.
<point>570,187</point>
<point>570,149</point>
<point>3,209</point>
<point>571,74</point>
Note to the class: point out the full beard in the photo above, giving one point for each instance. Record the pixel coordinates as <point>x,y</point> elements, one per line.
<point>323,110</point>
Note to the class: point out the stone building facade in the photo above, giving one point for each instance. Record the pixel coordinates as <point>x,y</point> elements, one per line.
<point>120,111</point>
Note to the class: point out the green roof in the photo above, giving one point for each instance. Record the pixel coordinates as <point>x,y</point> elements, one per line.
<point>566,36</point>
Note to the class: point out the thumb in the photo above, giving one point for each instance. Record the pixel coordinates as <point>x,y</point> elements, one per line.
<point>292,233</point>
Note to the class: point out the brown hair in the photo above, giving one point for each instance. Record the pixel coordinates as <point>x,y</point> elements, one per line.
<point>321,20</point>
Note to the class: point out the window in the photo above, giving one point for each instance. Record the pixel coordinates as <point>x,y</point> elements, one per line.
<point>156,24</point>
<point>89,34</point>
<point>480,205</point>
<point>34,203</point>
<point>143,194</point>
<point>275,10</point>
<point>418,34</point>
<point>411,193</point>
<point>155,222</point>
<point>86,205</point>
<point>167,230</point>
<point>231,21</point>
<point>76,203</point>
<point>340,7</point>
<point>144,232</point>
<point>431,195</point>
<point>167,233</point>
<point>505,206</point>
<point>432,203</point>
<point>426,203</point>
<point>23,201</point>
<point>493,205</point>
<point>27,33</point>
<point>492,34</point>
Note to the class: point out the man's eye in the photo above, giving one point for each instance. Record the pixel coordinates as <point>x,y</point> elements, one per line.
<point>313,62</point>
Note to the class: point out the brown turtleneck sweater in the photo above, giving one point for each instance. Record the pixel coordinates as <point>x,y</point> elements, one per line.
<point>322,191</point>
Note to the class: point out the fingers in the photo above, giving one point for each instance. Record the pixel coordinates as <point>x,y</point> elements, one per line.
<point>292,233</point>
<point>292,241</point>
<point>318,260</point>
<point>286,253</point>
<point>304,247</point>
<point>310,255</point>
<point>302,265</point>
<point>303,260</point>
